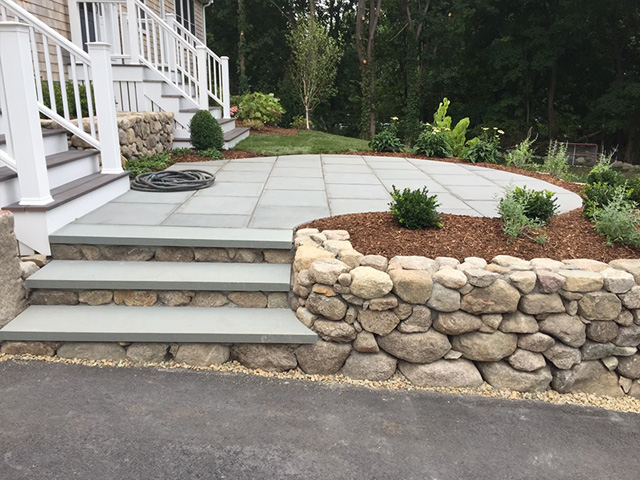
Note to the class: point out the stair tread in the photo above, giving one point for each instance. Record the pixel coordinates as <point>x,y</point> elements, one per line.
<point>236,132</point>
<point>70,191</point>
<point>54,160</point>
<point>195,109</point>
<point>160,235</point>
<point>193,276</point>
<point>46,132</point>
<point>114,323</point>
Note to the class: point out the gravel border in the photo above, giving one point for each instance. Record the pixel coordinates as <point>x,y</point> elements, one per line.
<point>397,382</point>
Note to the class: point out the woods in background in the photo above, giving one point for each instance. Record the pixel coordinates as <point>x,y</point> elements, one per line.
<point>562,69</point>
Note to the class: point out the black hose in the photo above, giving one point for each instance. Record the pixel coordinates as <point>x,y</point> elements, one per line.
<point>173,181</point>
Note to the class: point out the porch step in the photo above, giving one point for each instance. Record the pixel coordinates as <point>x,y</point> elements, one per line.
<point>70,191</point>
<point>115,275</point>
<point>156,324</point>
<point>167,236</point>
<point>55,141</point>
<point>53,161</point>
<point>235,136</point>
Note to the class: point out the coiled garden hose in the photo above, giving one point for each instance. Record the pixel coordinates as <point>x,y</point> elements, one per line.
<point>173,181</point>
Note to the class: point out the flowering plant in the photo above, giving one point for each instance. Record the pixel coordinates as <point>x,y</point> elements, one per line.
<point>387,139</point>
<point>264,107</point>
<point>485,147</point>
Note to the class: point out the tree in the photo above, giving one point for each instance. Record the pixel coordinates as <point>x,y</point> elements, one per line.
<point>315,57</point>
<point>365,48</point>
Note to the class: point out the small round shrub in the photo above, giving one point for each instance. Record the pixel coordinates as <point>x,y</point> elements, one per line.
<point>598,195</point>
<point>482,151</point>
<point>253,124</point>
<point>538,205</point>
<point>206,132</point>
<point>414,209</point>
<point>386,141</point>
<point>433,143</point>
<point>300,123</point>
<point>618,221</point>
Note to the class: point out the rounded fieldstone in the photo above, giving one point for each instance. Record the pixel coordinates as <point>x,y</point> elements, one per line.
<point>602,332</point>
<point>327,270</point>
<point>536,342</point>
<point>278,256</point>
<point>479,277</point>
<point>424,347</point>
<point>174,254</point>
<point>219,255</point>
<point>249,299</point>
<point>278,300</point>
<point>625,319</point>
<point>379,322</point>
<point>587,377</point>
<point>413,262</point>
<point>388,302</point>
<point>27,269</point>
<point>511,262</point>
<point>597,351</point>
<point>485,347</point>
<point>550,282</point>
<point>374,261</point>
<point>599,306</point>
<point>540,303</point>
<point>569,329</point>
<point>268,357</point>
<point>450,278</point>
<point>418,321</point>
<point>442,373</point>
<point>365,342</point>
<point>332,331</point>
<point>38,349</point>
<point>525,281</point>
<point>305,316</point>
<point>457,323</point>
<point>209,299</point>
<point>618,281</point>
<point>563,356</point>
<point>96,297</point>
<point>322,358</point>
<point>582,280</point>
<point>248,255</point>
<point>631,299</point>
<point>53,297</point>
<point>175,298</point>
<point>202,354</point>
<point>444,299</point>
<point>519,322</point>
<point>135,298</point>
<point>332,308</point>
<point>147,352</point>
<point>502,376</point>
<point>306,255</point>
<point>92,351</point>
<point>350,257</point>
<point>629,367</point>
<point>412,286</point>
<point>628,336</point>
<point>526,360</point>
<point>443,262</point>
<point>368,283</point>
<point>499,297</point>
<point>369,366</point>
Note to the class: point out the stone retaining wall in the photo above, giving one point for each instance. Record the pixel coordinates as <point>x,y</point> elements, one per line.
<point>571,326</point>
<point>140,133</point>
<point>169,254</point>
<point>12,291</point>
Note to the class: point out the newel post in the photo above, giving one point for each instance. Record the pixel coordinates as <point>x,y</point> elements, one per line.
<point>203,91</point>
<point>24,133</point>
<point>132,20</point>
<point>226,89</point>
<point>104,95</point>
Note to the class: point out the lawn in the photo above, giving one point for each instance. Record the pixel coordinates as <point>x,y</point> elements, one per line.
<point>303,143</point>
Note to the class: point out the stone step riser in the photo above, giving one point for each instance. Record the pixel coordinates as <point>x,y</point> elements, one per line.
<point>169,254</point>
<point>162,298</point>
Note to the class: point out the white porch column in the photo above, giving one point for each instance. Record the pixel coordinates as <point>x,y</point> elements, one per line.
<point>100,54</point>
<point>226,89</point>
<point>203,95</point>
<point>132,20</point>
<point>23,118</point>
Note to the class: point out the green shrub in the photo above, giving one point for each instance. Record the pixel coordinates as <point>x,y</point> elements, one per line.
<point>598,195</point>
<point>387,139</point>
<point>538,205</point>
<point>516,222</point>
<point>154,163</point>
<point>212,153</point>
<point>432,142</point>
<point>57,92</point>
<point>618,221</point>
<point>556,162</point>
<point>484,148</point>
<point>182,151</point>
<point>264,107</point>
<point>456,137</point>
<point>522,156</point>
<point>603,173</point>
<point>206,132</point>
<point>414,209</point>
<point>633,184</point>
<point>300,123</point>
<point>253,124</point>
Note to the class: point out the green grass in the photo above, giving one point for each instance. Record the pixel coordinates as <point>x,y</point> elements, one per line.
<point>304,142</point>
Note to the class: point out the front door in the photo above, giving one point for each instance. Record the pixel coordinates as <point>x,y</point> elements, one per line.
<point>185,14</point>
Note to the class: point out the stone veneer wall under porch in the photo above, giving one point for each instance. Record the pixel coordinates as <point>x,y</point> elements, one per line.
<point>572,326</point>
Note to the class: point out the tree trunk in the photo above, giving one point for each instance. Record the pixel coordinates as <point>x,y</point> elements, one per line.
<point>306,110</point>
<point>551,120</point>
<point>243,81</point>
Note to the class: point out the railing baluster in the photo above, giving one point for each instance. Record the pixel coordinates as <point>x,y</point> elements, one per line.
<point>76,91</point>
<point>63,83</point>
<point>89,95</point>
<point>47,66</point>
<point>36,64</point>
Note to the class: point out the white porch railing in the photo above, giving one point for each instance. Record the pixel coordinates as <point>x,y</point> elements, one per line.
<point>52,61</point>
<point>139,35</point>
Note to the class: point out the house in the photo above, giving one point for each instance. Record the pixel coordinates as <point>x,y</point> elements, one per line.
<point>112,56</point>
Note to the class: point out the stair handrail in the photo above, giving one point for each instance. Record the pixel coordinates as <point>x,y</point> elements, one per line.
<point>78,59</point>
<point>217,82</point>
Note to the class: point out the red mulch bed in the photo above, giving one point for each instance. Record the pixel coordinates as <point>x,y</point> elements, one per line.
<point>569,236</point>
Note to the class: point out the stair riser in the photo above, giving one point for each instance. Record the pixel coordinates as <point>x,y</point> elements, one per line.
<point>52,144</point>
<point>169,254</point>
<point>235,141</point>
<point>162,298</point>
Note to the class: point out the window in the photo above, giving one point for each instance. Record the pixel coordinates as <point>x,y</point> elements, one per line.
<point>186,14</point>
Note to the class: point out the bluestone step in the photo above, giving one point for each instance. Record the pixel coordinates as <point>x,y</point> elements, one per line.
<point>156,324</point>
<point>109,275</point>
<point>167,236</point>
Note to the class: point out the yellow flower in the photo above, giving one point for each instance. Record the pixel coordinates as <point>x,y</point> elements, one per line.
<point>501,132</point>
<point>436,130</point>
<point>485,128</point>
<point>394,118</point>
